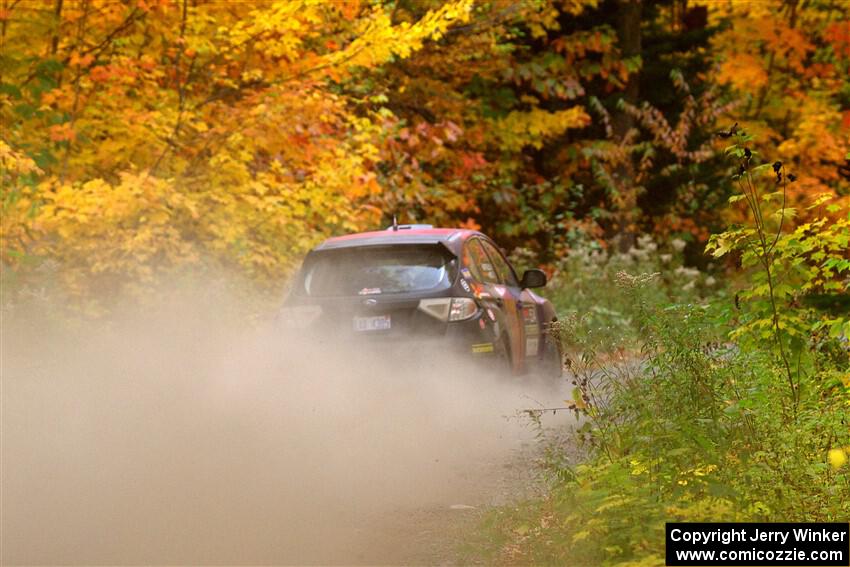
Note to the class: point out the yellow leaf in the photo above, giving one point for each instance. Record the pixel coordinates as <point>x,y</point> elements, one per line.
<point>837,458</point>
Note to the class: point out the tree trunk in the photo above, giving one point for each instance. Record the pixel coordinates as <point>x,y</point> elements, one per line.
<point>629,41</point>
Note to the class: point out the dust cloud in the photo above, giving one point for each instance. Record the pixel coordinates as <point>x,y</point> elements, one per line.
<point>179,435</point>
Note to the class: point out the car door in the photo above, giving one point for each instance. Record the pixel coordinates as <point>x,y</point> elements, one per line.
<point>532,317</point>
<point>485,284</point>
<point>514,306</point>
<point>494,297</point>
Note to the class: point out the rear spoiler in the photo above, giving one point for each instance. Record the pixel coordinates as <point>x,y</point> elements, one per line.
<point>396,240</point>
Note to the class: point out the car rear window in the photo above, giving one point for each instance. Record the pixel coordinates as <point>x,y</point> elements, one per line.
<point>373,270</point>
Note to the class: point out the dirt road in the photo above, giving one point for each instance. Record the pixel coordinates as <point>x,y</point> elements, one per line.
<point>173,439</point>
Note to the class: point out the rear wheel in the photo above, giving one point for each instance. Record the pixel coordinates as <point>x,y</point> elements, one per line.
<point>552,363</point>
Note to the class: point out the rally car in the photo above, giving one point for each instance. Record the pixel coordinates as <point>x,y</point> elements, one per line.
<point>423,283</point>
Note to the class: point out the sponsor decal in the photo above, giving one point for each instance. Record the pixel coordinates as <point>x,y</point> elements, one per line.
<point>482,324</point>
<point>488,270</point>
<point>369,291</point>
<point>482,347</point>
<point>465,272</point>
<point>490,314</point>
<point>465,286</point>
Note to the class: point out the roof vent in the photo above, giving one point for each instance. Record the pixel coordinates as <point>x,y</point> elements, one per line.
<point>397,227</point>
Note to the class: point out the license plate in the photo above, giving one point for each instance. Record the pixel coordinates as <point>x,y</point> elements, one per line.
<point>379,323</point>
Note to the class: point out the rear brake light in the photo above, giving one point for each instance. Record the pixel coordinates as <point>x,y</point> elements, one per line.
<point>449,308</point>
<point>462,308</point>
<point>437,308</point>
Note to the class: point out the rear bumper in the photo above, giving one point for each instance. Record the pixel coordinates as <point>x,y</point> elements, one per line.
<point>474,337</point>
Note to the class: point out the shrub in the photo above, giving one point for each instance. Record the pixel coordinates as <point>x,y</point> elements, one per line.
<point>730,411</point>
<point>583,284</point>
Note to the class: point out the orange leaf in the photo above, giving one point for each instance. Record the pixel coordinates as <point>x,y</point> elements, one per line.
<point>100,74</point>
<point>62,132</point>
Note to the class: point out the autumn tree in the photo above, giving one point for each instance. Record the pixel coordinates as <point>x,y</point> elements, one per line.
<point>562,118</point>
<point>146,136</point>
<point>149,135</point>
<point>788,63</point>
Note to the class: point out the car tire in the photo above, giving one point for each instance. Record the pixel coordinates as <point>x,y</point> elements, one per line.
<point>552,363</point>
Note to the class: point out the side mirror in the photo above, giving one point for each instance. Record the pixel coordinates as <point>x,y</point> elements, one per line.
<point>533,278</point>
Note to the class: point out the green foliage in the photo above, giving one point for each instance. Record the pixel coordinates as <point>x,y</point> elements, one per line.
<point>583,284</point>
<point>689,430</point>
<point>784,268</point>
<point>700,424</point>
